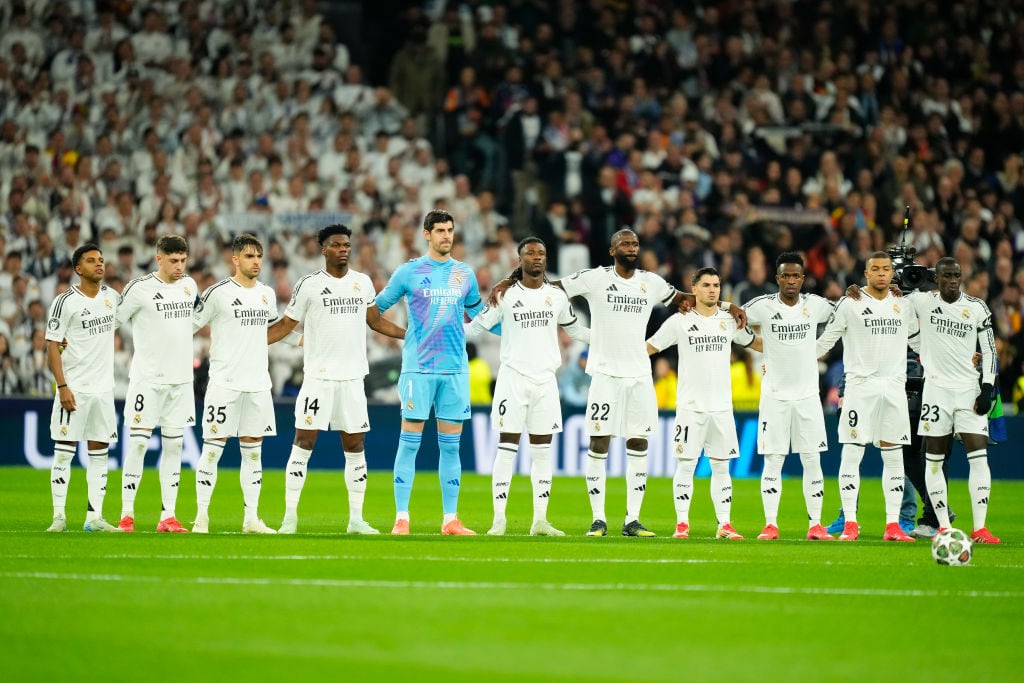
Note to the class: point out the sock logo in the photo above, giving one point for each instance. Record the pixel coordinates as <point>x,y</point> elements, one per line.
<point>58,480</point>
<point>399,480</point>
<point>130,486</point>
<point>452,482</point>
<point>769,491</point>
<point>594,491</point>
<point>501,496</point>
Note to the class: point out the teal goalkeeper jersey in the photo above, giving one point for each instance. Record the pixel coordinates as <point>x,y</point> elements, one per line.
<point>439,294</point>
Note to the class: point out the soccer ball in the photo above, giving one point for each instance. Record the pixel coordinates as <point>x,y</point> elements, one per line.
<point>952,547</point>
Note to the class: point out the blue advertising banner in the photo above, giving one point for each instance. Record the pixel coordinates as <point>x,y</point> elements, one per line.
<point>24,424</point>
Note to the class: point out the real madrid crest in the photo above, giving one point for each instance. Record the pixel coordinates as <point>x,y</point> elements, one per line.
<point>896,308</point>
<point>643,287</point>
<point>355,286</point>
<point>547,301</point>
<point>187,290</point>
<point>409,405</point>
<point>721,324</point>
<point>458,278</point>
<point>264,298</point>
<point>965,314</point>
<point>807,314</point>
<point>106,302</point>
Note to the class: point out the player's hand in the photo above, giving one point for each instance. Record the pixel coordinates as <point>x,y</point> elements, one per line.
<point>498,291</point>
<point>895,290</point>
<point>853,291</point>
<point>983,403</point>
<point>686,304</point>
<point>976,359</point>
<point>67,398</point>
<point>739,315</point>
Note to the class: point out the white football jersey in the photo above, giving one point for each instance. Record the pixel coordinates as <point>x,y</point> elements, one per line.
<point>789,334</point>
<point>238,317</point>
<point>529,328</point>
<point>88,325</point>
<point>160,315</point>
<point>950,335</point>
<point>875,336</point>
<point>705,383</point>
<point>619,312</point>
<point>333,315</point>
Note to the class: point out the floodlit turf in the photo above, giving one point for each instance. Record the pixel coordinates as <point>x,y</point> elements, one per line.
<point>322,604</point>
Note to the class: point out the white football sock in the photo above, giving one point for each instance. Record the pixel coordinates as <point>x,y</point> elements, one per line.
<point>60,475</point>
<point>501,478</point>
<point>892,482</point>
<point>250,474</point>
<point>206,476</point>
<point>771,487</point>
<point>355,482</point>
<point>597,477</point>
<point>131,470</point>
<point>96,479</point>
<point>814,487</point>
<point>540,478</point>
<point>849,479</point>
<point>636,483</point>
<point>979,480</point>
<point>295,478</point>
<point>721,490</point>
<point>682,488</point>
<point>170,470</point>
<point>935,480</point>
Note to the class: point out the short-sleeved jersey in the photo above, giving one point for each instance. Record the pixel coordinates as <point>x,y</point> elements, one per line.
<point>620,309</point>
<point>88,325</point>
<point>238,317</point>
<point>875,336</point>
<point>705,383</point>
<point>950,335</point>
<point>160,314</point>
<point>440,294</point>
<point>789,334</point>
<point>332,311</point>
<point>529,328</point>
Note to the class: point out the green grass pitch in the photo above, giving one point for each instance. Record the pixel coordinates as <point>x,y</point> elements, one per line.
<point>321,604</point>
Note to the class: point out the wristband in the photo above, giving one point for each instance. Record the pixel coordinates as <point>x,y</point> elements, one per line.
<point>61,386</point>
<point>725,306</point>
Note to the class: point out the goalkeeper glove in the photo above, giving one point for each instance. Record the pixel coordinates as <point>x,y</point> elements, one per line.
<point>984,401</point>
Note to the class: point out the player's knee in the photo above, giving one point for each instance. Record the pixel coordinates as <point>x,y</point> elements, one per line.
<point>636,444</point>
<point>350,443</point>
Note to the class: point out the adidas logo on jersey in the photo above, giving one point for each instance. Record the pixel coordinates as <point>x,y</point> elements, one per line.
<point>327,290</point>
<point>777,316</point>
<point>425,282</point>
<point>554,426</point>
<point>693,328</point>
<point>822,445</point>
<point>866,311</point>
<point>85,311</point>
<point>268,429</point>
<point>366,425</point>
<point>612,288</point>
<point>236,302</point>
<point>158,296</point>
<point>518,304</point>
<point>938,310</point>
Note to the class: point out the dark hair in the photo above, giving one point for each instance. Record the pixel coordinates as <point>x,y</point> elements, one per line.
<point>436,216</point>
<point>701,272</point>
<point>530,240</point>
<point>946,262</point>
<point>332,230</point>
<point>789,257</point>
<point>171,244</point>
<point>82,250</point>
<point>879,254</point>
<point>246,240</point>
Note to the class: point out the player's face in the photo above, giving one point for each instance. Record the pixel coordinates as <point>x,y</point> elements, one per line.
<point>879,273</point>
<point>336,250</point>
<point>790,278</point>
<point>534,259</point>
<point>171,266</point>
<point>440,238</point>
<point>248,262</point>
<point>948,280</point>
<point>626,250</point>
<point>708,289</point>
<point>90,267</point>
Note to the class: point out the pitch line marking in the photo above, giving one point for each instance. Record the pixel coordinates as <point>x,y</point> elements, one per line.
<point>510,585</point>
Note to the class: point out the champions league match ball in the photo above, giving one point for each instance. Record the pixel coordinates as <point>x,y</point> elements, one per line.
<point>952,547</point>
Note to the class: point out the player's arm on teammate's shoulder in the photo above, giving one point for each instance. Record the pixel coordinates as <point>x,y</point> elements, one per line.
<point>378,323</point>
<point>833,331</point>
<point>284,329</point>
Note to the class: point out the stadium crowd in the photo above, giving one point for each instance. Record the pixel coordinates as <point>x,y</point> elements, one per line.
<point>725,132</point>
